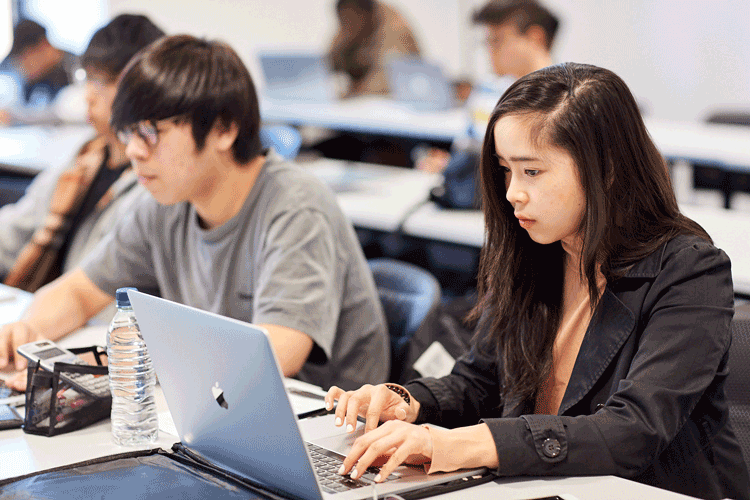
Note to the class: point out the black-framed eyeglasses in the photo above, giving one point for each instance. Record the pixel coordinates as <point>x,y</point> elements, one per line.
<point>146,130</point>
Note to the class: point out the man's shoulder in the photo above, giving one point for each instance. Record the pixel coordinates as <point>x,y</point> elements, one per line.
<point>289,184</point>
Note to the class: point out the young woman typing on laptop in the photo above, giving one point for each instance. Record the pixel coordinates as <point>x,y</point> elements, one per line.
<point>603,315</point>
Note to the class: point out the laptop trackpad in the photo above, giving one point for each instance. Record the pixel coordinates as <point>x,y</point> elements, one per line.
<point>322,432</point>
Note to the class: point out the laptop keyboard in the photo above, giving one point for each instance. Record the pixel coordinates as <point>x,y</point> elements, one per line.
<point>327,464</point>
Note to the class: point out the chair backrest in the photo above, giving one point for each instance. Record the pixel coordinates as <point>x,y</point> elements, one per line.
<point>408,293</point>
<point>738,383</point>
<point>283,139</point>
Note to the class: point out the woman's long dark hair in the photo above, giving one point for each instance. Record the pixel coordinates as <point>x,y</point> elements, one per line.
<point>630,211</point>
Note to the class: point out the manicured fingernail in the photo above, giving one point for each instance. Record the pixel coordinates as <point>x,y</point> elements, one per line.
<point>400,413</point>
<point>338,421</point>
<point>329,405</point>
<point>349,428</point>
<point>378,478</point>
<point>353,474</point>
<point>341,470</point>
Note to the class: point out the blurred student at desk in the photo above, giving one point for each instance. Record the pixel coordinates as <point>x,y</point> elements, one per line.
<point>42,71</point>
<point>370,32</point>
<point>67,211</point>
<point>519,35</point>
<point>229,228</point>
<point>604,313</point>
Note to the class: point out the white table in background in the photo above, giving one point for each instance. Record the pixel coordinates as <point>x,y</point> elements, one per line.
<point>375,196</point>
<point>28,150</point>
<point>371,115</point>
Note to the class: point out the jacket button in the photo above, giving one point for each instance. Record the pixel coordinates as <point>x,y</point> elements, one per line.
<point>599,407</point>
<point>551,447</point>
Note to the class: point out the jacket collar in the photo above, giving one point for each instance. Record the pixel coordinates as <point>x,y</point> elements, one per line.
<point>647,267</point>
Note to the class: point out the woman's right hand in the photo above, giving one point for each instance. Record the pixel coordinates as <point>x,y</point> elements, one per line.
<point>376,403</point>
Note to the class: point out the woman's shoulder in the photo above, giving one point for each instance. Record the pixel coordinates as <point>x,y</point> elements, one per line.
<point>691,247</point>
<point>683,252</point>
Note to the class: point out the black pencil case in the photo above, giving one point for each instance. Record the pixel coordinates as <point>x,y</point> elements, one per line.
<point>55,405</point>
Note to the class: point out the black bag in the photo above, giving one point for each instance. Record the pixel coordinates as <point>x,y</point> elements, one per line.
<point>445,324</point>
<point>460,189</point>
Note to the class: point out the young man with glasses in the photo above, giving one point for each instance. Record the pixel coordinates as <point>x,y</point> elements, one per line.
<point>231,228</point>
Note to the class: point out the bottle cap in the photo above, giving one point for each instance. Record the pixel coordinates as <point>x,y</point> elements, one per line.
<point>121,296</point>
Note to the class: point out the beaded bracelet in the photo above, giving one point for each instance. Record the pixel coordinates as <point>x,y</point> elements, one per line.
<point>400,391</point>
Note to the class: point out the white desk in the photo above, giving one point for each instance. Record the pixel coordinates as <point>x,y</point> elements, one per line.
<point>30,149</point>
<point>462,227</point>
<point>375,196</point>
<point>727,145</point>
<point>372,115</point>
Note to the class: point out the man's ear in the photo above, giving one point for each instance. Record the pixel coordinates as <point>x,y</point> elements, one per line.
<point>226,133</point>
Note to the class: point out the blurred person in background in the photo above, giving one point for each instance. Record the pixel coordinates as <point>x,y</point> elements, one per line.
<point>67,211</point>
<point>370,33</point>
<point>42,71</point>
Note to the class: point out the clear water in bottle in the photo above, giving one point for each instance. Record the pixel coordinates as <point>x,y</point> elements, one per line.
<point>131,378</point>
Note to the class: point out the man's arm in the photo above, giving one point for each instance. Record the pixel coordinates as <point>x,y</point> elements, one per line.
<point>56,310</point>
<point>292,347</point>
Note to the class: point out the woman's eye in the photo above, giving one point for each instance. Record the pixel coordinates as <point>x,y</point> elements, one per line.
<point>531,172</point>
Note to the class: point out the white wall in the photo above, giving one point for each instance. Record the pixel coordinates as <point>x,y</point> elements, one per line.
<point>680,57</point>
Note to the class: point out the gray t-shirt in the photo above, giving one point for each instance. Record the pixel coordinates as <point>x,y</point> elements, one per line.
<point>288,258</point>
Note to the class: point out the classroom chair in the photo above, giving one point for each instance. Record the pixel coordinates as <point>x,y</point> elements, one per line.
<point>738,382</point>
<point>285,140</point>
<point>408,293</point>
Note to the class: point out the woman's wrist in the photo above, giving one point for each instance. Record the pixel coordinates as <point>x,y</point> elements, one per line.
<point>409,416</point>
<point>462,448</point>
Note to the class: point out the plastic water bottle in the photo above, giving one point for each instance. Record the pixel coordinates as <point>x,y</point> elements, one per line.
<point>131,378</point>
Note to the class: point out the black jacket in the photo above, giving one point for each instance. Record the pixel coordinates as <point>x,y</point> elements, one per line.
<point>646,398</point>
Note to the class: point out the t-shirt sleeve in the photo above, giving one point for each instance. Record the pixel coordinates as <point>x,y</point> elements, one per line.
<point>124,256</point>
<point>297,285</point>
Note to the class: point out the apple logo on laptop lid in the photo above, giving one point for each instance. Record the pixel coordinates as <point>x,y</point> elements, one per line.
<point>218,394</point>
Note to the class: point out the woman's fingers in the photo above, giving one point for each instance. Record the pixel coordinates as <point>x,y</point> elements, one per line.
<point>378,402</point>
<point>396,439</point>
<point>331,396</point>
<point>417,442</point>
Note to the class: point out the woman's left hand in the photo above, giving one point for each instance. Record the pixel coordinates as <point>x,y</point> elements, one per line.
<point>401,442</point>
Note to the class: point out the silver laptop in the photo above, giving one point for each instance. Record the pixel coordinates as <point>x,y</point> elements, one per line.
<point>296,76</point>
<point>420,84</point>
<point>225,391</point>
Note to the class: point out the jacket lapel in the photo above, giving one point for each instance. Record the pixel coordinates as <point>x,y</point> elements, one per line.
<point>610,327</point>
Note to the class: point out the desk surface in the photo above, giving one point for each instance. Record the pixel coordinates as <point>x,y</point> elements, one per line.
<point>372,115</point>
<point>375,196</point>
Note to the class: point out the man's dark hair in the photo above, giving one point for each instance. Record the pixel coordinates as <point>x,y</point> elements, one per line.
<point>364,5</point>
<point>524,13</point>
<point>112,46</point>
<point>27,33</point>
<point>198,81</point>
